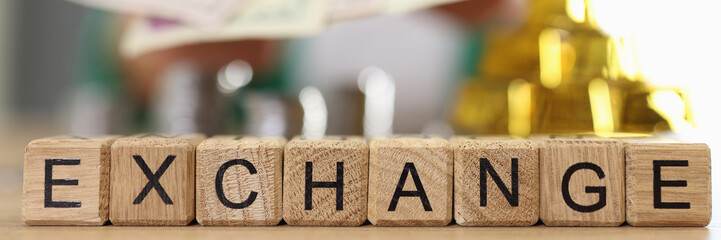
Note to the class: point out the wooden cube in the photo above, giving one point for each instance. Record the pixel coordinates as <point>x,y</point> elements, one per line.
<point>582,182</point>
<point>152,180</point>
<point>410,181</point>
<point>66,181</point>
<point>239,181</point>
<point>668,183</point>
<point>495,181</point>
<point>325,181</point>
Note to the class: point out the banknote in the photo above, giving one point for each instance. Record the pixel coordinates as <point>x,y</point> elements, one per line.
<point>194,12</point>
<point>276,19</point>
<point>404,6</point>
<point>273,19</point>
<point>342,10</point>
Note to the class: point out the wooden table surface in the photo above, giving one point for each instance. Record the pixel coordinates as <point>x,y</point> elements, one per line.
<point>12,227</point>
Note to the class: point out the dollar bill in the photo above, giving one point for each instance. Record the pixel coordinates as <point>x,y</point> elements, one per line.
<point>342,10</point>
<point>276,19</point>
<point>262,19</point>
<point>404,6</point>
<point>194,12</point>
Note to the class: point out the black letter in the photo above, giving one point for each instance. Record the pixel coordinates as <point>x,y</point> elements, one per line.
<point>153,179</point>
<point>419,192</point>
<point>600,190</point>
<point>658,183</point>
<point>309,185</point>
<point>49,182</point>
<point>219,184</point>
<point>512,197</point>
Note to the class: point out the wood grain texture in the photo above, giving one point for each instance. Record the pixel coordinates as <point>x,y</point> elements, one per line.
<point>557,156</point>
<point>325,154</point>
<point>432,157</point>
<point>498,210</point>
<point>92,156</point>
<point>266,157</point>
<point>127,180</point>
<point>640,207</point>
<point>13,228</point>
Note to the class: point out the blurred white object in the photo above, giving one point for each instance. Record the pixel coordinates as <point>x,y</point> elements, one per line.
<point>315,113</point>
<point>420,50</point>
<point>380,94</point>
<point>195,12</point>
<point>438,127</point>
<point>266,114</point>
<point>265,19</point>
<point>233,76</point>
<point>90,112</point>
<point>177,98</point>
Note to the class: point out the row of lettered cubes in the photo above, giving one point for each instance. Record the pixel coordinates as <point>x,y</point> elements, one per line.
<point>342,181</point>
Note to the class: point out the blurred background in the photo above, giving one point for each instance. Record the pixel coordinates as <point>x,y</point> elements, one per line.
<point>361,67</point>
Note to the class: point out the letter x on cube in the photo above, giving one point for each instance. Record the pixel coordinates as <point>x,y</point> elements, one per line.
<point>152,180</point>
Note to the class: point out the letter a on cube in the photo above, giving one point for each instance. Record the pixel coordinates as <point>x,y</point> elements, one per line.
<point>152,180</point>
<point>410,181</point>
<point>325,181</point>
<point>66,181</point>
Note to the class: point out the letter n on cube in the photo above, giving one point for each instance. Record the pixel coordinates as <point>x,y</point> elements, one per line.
<point>496,181</point>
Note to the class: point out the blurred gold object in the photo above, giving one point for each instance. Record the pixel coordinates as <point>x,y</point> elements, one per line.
<point>558,73</point>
